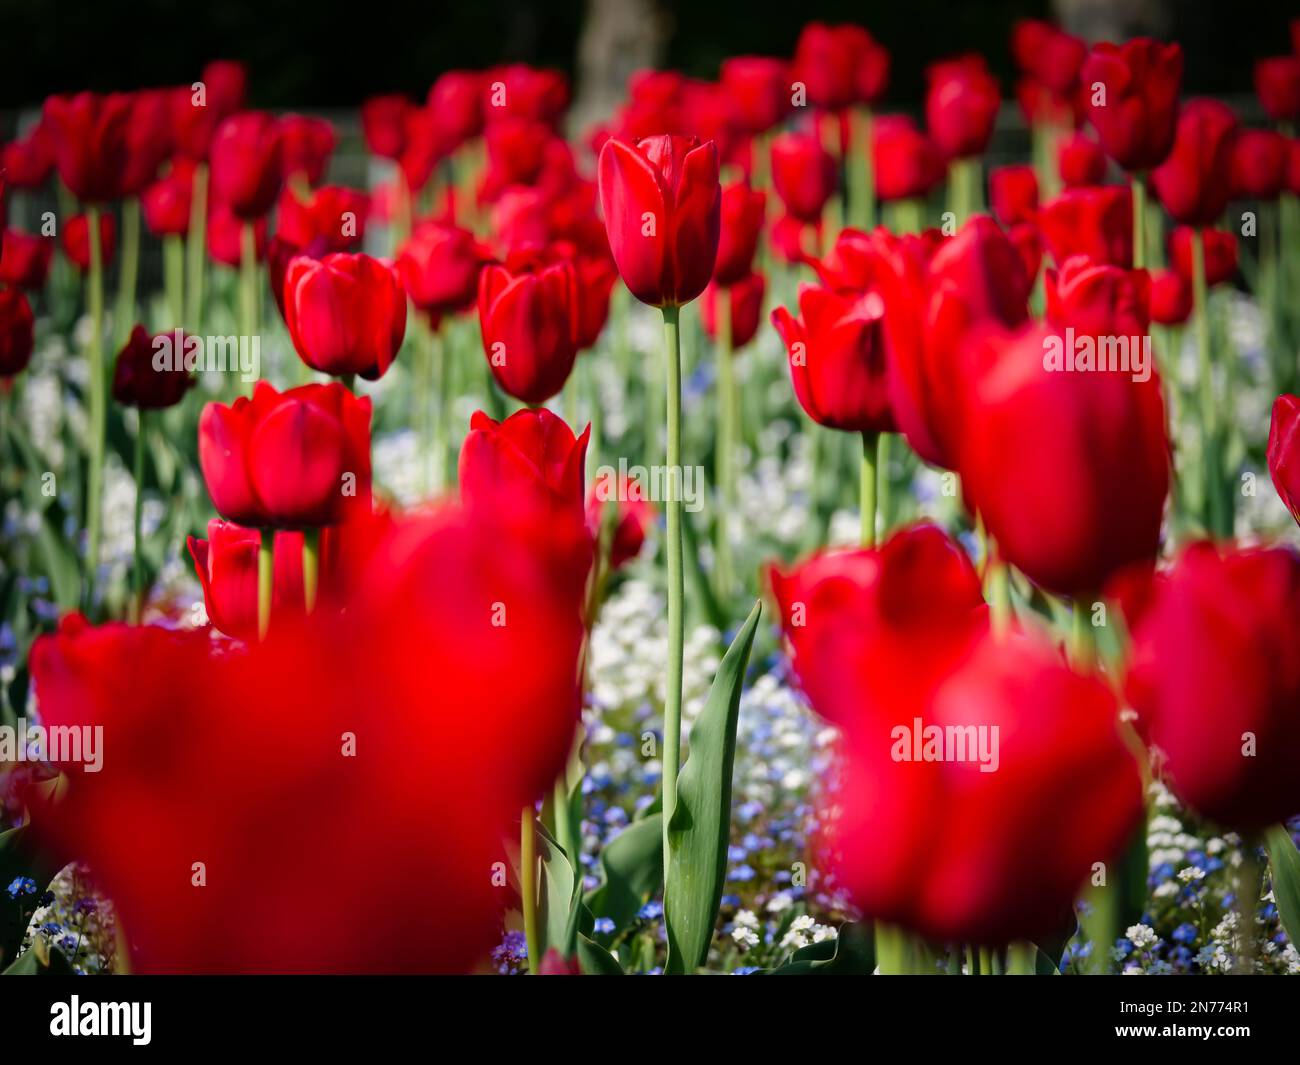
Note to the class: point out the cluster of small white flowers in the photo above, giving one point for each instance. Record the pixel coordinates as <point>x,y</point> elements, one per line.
<point>398,466</point>
<point>804,930</point>
<point>745,938</point>
<point>1190,873</point>
<point>1141,936</point>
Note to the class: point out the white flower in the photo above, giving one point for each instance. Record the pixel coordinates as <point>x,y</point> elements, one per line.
<point>1191,874</point>
<point>746,919</point>
<point>1141,936</point>
<point>746,938</point>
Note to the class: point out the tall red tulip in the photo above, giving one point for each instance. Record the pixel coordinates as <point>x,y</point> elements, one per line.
<point>907,163</point>
<point>742,218</point>
<point>745,309</point>
<point>1096,221</point>
<point>961,105</point>
<point>1195,181</point>
<point>456,101</point>
<point>1277,84</point>
<point>758,89</point>
<point>89,135</point>
<point>440,267</point>
<point>25,259</point>
<point>1259,158</point>
<point>1080,161</point>
<point>200,107</point>
<point>246,163</point>
<point>226,564</point>
<point>306,144</point>
<point>1013,193</point>
<point>1132,91</point>
<point>1220,253</point>
<point>166,203</point>
<point>804,175</point>
<point>528,314</point>
<point>839,65</point>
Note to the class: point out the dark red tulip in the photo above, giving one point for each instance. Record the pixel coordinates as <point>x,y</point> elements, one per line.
<point>440,267</point>
<point>383,124</point>
<point>166,203</point>
<point>521,91</point>
<point>226,563</point>
<point>836,352</point>
<point>1215,682</point>
<point>871,630</point>
<point>1259,158</point>
<point>1195,181</point>
<point>1220,254</point>
<point>1277,84</point>
<point>804,175</point>
<point>330,219</point>
<point>296,459</point>
<point>1284,451</point>
<point>961,105</point>
<point>634,515</point>
<point>952,851</point>
<point>745,304</point>
<point>89,134</point>
<point>456,102</point>
<point>76,240</point>
<point>1098,299</point>
<point>1068,470</point>
<point>758,89</point>
<point>1132,91</point>
<point>1013,194</point>
<point>346,313</point>
<point>246,163</point>
<point>851,263</point>
<point>148,139</point>
<point>1029,243</point>
<point>27,162</point>
<point>200,107</point>
<point>25,259</point>
<point>1080,161</point>
<point>840,65</point>
<point>743,215</point>
<point>150,371</point>
<point>662,204</point>
<point>1171,298</point>
<point>226,237</point>
<point>306,144</point>
<point>517,150</point>
<point>1096,221</point>
<point>17,332</point>
<point>1053,57</point>
<point>908,164</point>
<point>528,314</point>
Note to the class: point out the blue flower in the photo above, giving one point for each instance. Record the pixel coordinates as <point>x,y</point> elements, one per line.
<point>21,885</point>
<point>604,926</point>
<point>651,911</point>
<point>744,970</point>
<point>1184,933</point>
<point>742,873</point>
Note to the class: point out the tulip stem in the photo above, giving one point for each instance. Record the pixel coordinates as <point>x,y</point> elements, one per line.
<point>98,404</point>
<point>137,559</point>
<point>884,492</point>
<point>174,279</point>
<point>1138,184</point>
<point>441,408</point>
<point>124,310</point>
<point>528,887</point>
<point>999,582</point>
<point>868,476</point>
<point>1211,472</point>
<point>247,281</point>
<point>726,399</point>
<point>862,200</point>
<point>310,566</point>
<point>195,249</point>
<point>265,581</point>
<point>676,580</point>
<point>1083,645</point>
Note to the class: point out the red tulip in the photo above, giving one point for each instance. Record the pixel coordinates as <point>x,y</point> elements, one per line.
<point>142,379</point>
<point>456,102</point>
<point>1284,451</point>
<point>521,91</point>
<point>225,231</point>
<point>440,266</point>
<point>662,201</point>
<point>1277,83</point>
<point>1220,254</point>
<point>745,305</point>
<point>306,145</point>
<point>595,275</point>
<point>166,203</point>
<point>837,359</point>
<point>226,563</point>
<point>1098,299</point>
<point>1013,194</point>
<point>529,319</point>
<point>17,332</point>
<point>517,150</point>
<point>1132,92</point>
<point>246,163</point>
<point>76,240</point>
<point>1051,56</point>
<point>633,516</point>
<point>931,301</point>
<point>1069,470</point>
<point>1259,158</point>
<point>840,65</point>
<point>199,108</point>
<point>296,459</point>
<point>743,214</point>
<point>383,124</point>
<point>27,163</point>
<point>1095,221</point>
<point>1080,161</point>
<point>148,139</point>
<point>1195,181</point>
<point>851,263</point>
<point>1171,298</point>
<point>1029,244</point>
<point>804,175</point>
<point>346,313</point>
<point>25,259</point>
<point>872,630</point>
<point>930,839</point>
<point>332,218</point>
<point>758,90</point>
<point>907,163</point>
<point>89,136</point>
<point>961,105</point>
<point>1216,683</point>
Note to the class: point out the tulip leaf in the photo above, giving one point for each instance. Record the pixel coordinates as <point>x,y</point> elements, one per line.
<point>1284,864</point>
<point>633,867</point>
<point>700,826</point>
<point>559,884</point>
<point>851,953</point>
<point>40,960</point>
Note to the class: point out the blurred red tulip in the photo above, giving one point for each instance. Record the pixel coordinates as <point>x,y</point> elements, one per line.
<point>1029,243</point>
<point>76,240</point>
<point>907,163</point>
<point>226,563</point>
<point>27,163</point>
<point>89,136</point>
<point>145,382</point>
<point>1132,92</point>
<point>17,332</point>
<point>306,144</point>
<point>662,202</point>
<point>383,124</point>
<point>1195,181</point>
<point>528,315</point>
<point>1013,194</point>
<point>440,267</point>
<point>745,306</point>
<point>296,459</point>
<point>1171,298</point>
<point>148,139</point>
<point>758,89</point>
<point>851,263</point>
<point>1098,299</point>
<point>839,65</point>
<point>246,163</point>
<point>804,175</point>
<point>1052,56</point>
<point>961,105</point>
<point>1096,221</point>
<point>1284,451</point>
<point>25,259</point>
<point>226,237</point>
<point>521,91</point>
<point>1259,158</point>
<point>456,102</point>
<point>1277,84</point>
<point>634,515</point>
<point>166,203</point>
<point>1220,254</point>
<point>1080,160</point>
<point>200,107</point>
<point>742,218</point>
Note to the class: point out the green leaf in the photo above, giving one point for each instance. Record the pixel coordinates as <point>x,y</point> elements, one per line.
<point>41,960</point>
<point>700,825</point>
<point>1284,863</point>
<point>851,953</point>
<point>633,866</point>
<point>556,916</point>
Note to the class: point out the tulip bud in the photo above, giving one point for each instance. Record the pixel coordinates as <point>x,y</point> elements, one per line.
<point>17,332</point>
<point>226,563</point>
<point>529,321</point>
<point>138,382</point>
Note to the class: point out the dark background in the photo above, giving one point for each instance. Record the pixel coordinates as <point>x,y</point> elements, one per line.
<point>331,53</point>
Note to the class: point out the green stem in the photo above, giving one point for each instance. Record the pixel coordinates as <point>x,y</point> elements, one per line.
<point>676,580</point>
<point>124,309</point>
<point>1138,184</point>
<point>98,405</point>
<point>1211,471</point>
<point>885,500</point>
<point>868,476</point>
<point>265,581</point>
<point>726,441</point>
<point>248,280</point>
<point>999,590</point>
<point>174,279</point>
<point>137,560</point>
<point>1250,875</point>
<point>528,888</point>
<point>441,368</point>
<point>1083,643</point>
<point>310,567</point>
<point>862,200</point>
<point>196,250</point>
<point>964,178</point>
